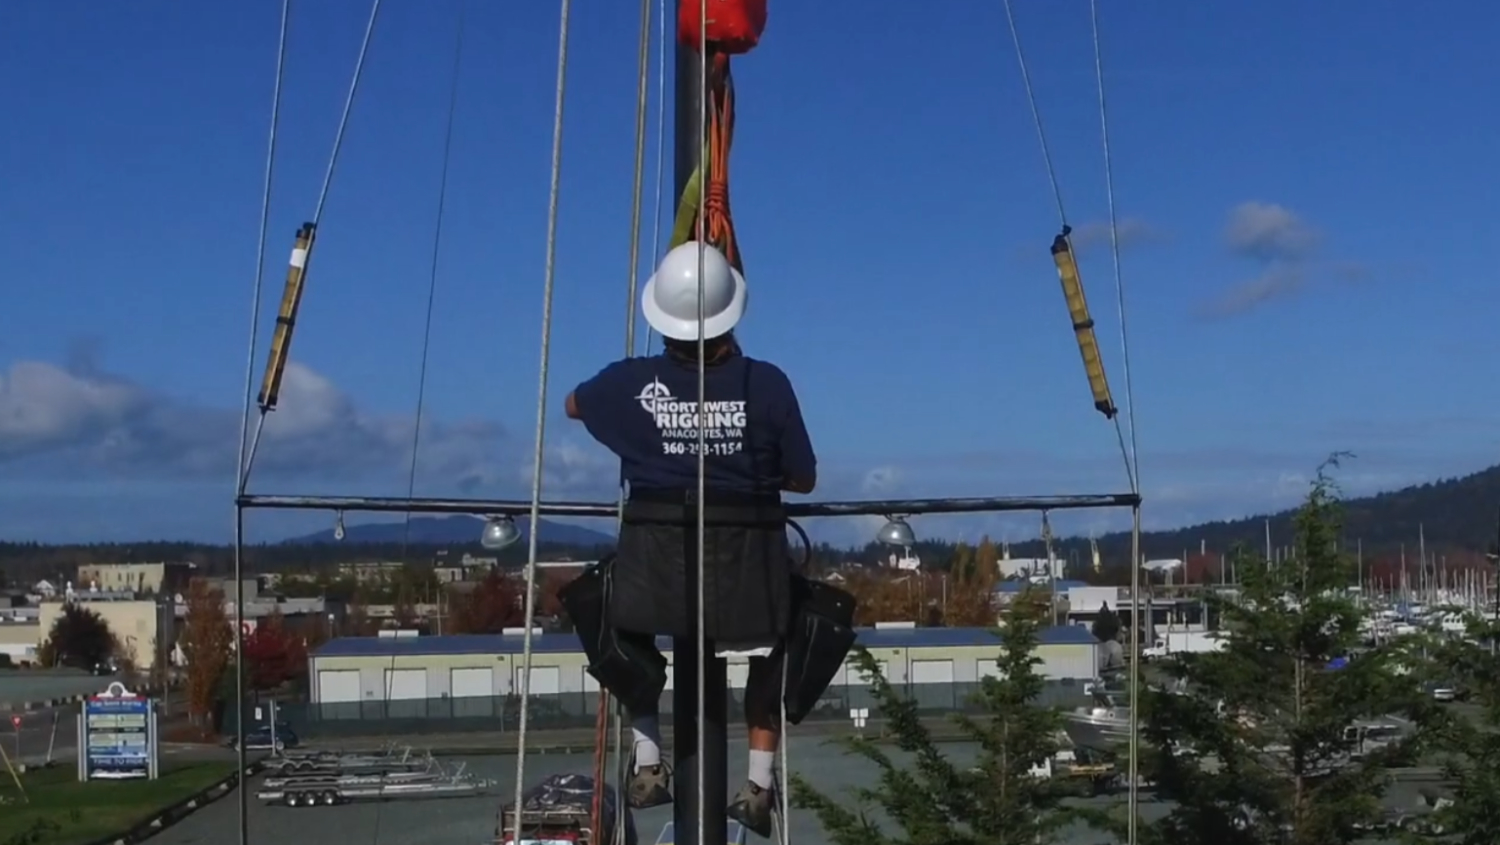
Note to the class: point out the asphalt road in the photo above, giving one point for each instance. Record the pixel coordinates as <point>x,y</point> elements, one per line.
<point>22,685</point>
<point>471,821</point>
<point>55,728</point>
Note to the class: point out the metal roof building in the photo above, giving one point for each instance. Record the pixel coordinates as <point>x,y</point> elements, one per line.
<point>474,670</point>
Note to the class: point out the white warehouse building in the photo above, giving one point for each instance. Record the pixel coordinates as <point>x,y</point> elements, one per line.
<point>474,670</point>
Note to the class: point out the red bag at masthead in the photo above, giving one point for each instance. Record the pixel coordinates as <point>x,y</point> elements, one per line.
<point>734,26</point>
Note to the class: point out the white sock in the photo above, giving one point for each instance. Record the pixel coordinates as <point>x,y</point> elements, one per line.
<point>647,733</point>
<point>762,768</point>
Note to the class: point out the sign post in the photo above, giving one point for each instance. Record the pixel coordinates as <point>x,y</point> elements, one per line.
<point>117,736</point>
<point>15,723</point>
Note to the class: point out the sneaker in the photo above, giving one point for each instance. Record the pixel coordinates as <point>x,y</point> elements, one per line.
<point>650,786</point>
<point>752,807</point>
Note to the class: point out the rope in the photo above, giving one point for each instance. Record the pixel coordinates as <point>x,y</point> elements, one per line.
<point>702,520</point>
<point>548,284</point>
<point>637,187</point>
<point>1133,463</point>
<point>661,136</point>
<point>432,281</point>
<point>437,249</point>
<point>338,138</point>
<point>241,474</point>
<point>260,248</point>
<point>338,145</point>
<point>1129,452</point>
<point>1036,113</point>
<point>641,104</point>
<point>715,205</point>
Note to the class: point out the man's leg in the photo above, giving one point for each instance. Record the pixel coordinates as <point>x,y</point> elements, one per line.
<point>650,777</point>
<point>753,805</point>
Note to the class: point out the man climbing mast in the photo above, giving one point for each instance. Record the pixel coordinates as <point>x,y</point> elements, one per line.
<point>645,410</point>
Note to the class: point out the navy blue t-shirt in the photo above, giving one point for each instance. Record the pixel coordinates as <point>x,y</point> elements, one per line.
<point>645,411</point>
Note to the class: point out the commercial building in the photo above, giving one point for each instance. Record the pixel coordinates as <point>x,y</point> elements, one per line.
<point>19,640</point>
<point>160,577</point>
<point>483,667</point>
<point>137,624</point>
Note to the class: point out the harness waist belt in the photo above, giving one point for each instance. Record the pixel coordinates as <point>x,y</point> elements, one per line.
<point>722,508</point>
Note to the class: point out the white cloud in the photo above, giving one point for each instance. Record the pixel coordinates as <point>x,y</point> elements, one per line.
<point>76,422</point>
<point>1285,248</point>
<point>1269,232</point>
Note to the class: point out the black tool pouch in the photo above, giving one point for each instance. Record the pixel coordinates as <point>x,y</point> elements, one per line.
<point>746,570</point>
<point>628,666</point>
<point>821,637</point>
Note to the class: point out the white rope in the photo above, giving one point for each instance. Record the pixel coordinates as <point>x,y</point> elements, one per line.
<point>549,277</point>
<point>338,145</point>
<point>642,103</point>
<point>1133,464</point>
<point>643,63</point>
<point>242,455</point>
<point>702,634</point>
<point>260,249</point>
<point>338,138</point>
<point>1132,461</point>
<point>1036,113</point>
<point>661,136</point>
<point>1129,452</point>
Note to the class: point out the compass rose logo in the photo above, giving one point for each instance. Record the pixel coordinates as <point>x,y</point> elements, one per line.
<point>651,394</point>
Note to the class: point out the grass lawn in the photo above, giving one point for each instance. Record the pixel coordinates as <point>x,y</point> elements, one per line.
<point>83,812</point>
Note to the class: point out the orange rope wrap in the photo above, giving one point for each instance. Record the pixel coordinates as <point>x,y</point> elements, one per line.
<point>715,223</point>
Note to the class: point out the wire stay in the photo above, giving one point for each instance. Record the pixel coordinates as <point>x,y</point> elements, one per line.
<point>539,451</point>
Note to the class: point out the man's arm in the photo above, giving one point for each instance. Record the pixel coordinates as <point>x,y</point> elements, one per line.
<point>570,406</point>
<point>799,464</point>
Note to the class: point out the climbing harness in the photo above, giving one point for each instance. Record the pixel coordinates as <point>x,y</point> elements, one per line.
<point>821,626</point>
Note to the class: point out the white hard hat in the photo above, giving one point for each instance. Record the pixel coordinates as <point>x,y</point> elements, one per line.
<point>670,301</point>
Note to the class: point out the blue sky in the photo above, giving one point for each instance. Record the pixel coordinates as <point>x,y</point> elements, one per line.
<point>1307,197</point>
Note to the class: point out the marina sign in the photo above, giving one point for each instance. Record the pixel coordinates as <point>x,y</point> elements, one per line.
<point>117,738</point>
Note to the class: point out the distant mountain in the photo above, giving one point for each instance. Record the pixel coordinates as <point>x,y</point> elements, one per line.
<point>453,530</point>
<point>1451,514</point>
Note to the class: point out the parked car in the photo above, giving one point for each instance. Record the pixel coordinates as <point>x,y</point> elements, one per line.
<point>260,738</point>
<point>1446,691</point>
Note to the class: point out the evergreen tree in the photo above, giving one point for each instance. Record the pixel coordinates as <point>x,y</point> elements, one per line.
<point>1258,743</point>
<point>1471,746</point>
<point>80,639</point>
<point>934,801</point>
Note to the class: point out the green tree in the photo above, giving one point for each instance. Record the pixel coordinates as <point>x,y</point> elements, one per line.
<point>79,638</point>
<point>1258,743</point>
<point>935,801</point>
<point>1472,745</point>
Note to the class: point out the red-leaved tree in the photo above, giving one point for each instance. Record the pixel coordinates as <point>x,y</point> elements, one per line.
<point>274,654</point>
<point>493,605</point>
